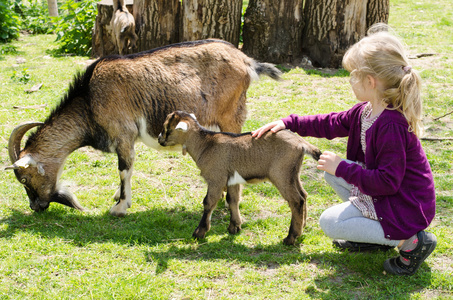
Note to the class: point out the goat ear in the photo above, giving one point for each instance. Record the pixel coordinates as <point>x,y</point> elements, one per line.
<point>183,126</point>
<point>41,170</point>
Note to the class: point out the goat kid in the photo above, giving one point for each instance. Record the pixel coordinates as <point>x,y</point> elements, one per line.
<point>120,100</point>
<point>123,27</point>
<point>228,160</point>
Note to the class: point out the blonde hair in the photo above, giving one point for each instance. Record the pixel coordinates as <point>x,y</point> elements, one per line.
<point>381,55</point>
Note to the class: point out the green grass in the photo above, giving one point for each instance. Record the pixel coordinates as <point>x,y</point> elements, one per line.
<point>149,254</point>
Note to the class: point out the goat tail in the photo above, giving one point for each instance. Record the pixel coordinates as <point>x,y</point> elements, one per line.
<point>313,151</point>
<point>267,69</point>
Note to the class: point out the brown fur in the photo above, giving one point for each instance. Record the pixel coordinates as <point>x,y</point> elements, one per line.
<point>273,157</point>
<point>122,99</point>
<point>123,27</point>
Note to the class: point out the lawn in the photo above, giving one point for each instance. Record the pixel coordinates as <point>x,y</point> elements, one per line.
<point>150,254</point>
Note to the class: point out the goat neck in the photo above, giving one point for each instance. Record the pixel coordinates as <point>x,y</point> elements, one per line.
<point>54,141</point>
<point>196,141</point>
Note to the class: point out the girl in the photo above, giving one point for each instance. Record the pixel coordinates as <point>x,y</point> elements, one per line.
<point>386,182</point>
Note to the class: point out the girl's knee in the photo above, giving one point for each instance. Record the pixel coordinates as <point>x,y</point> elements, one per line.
<point>330,179</point>
<point>332,220</point>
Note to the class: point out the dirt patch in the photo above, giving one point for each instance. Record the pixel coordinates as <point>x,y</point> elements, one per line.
<point>441,263</point>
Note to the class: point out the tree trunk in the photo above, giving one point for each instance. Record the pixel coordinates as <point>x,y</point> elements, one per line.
<point>276,31</point>
<point>157,23</point>
<point>333,26</point>
<point>212,19</point>
<point>377,12</point>
<point>273,30</point>
<point>53,8</point>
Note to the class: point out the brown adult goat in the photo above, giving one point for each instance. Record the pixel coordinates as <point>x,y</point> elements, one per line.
<point>121,99</point>
<point>227,160</point>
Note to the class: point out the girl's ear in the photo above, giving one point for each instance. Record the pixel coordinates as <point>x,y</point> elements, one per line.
<point>371,81</point>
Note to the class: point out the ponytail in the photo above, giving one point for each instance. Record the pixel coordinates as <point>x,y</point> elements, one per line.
<point>406,98</point>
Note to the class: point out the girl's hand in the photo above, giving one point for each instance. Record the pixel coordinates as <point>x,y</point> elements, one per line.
<point>273,127</point>
<point>329,161</point>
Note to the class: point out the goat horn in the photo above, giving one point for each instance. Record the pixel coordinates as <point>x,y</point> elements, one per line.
<point>16,137</point>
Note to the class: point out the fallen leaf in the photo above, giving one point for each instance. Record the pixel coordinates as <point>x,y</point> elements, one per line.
<point>42,106</point>
<point>34,88</point>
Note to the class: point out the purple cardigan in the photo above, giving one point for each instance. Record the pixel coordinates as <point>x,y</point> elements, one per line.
<point>397,175</point>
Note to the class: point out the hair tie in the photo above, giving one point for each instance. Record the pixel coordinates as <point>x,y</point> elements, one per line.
<point>407,69</point>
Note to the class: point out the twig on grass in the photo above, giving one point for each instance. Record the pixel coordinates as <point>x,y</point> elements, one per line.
<point>419,55</point>
<point>42,106</point>
<point>449,113</point>
<point>27,225</point>
<point>59,225</point>
<point>437,138</point>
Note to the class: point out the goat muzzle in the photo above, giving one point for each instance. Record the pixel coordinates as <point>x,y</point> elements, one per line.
<point>38,206</point>
<point>35,202</point>
<point>161,140</point>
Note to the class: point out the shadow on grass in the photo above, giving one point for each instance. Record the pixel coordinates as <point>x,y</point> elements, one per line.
<point>354,275</point>
<point>323,72</point>
<point>334,272</point>
<point>148,227</point>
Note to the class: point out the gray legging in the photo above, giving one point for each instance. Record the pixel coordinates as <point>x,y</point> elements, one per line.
<point>345,222</point>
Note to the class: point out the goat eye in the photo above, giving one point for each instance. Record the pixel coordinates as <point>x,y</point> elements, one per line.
<point>23,181</point>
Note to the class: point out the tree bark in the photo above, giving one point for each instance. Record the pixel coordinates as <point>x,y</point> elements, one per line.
<point>333,26</point>
<point>212,19</point>
<point>53,8</point>
<point>273,30</point>
<point>377,12</point>
<point>157,23</point>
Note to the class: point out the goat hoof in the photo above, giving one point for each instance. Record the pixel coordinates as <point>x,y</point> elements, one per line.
<point>289,240</point>
<point>233,229</point>
<point>117,211</point>
<point>118,214</point>
<point>199,233</point>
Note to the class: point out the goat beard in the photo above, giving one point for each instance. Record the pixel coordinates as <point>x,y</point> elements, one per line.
<point>63,196</point>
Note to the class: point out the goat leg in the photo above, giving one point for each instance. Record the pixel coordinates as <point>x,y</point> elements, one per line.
<point>297,223</point>
<point>233,198</point>
<point>124,193</point>
<point>209,203</point>
<point>296,198</point>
